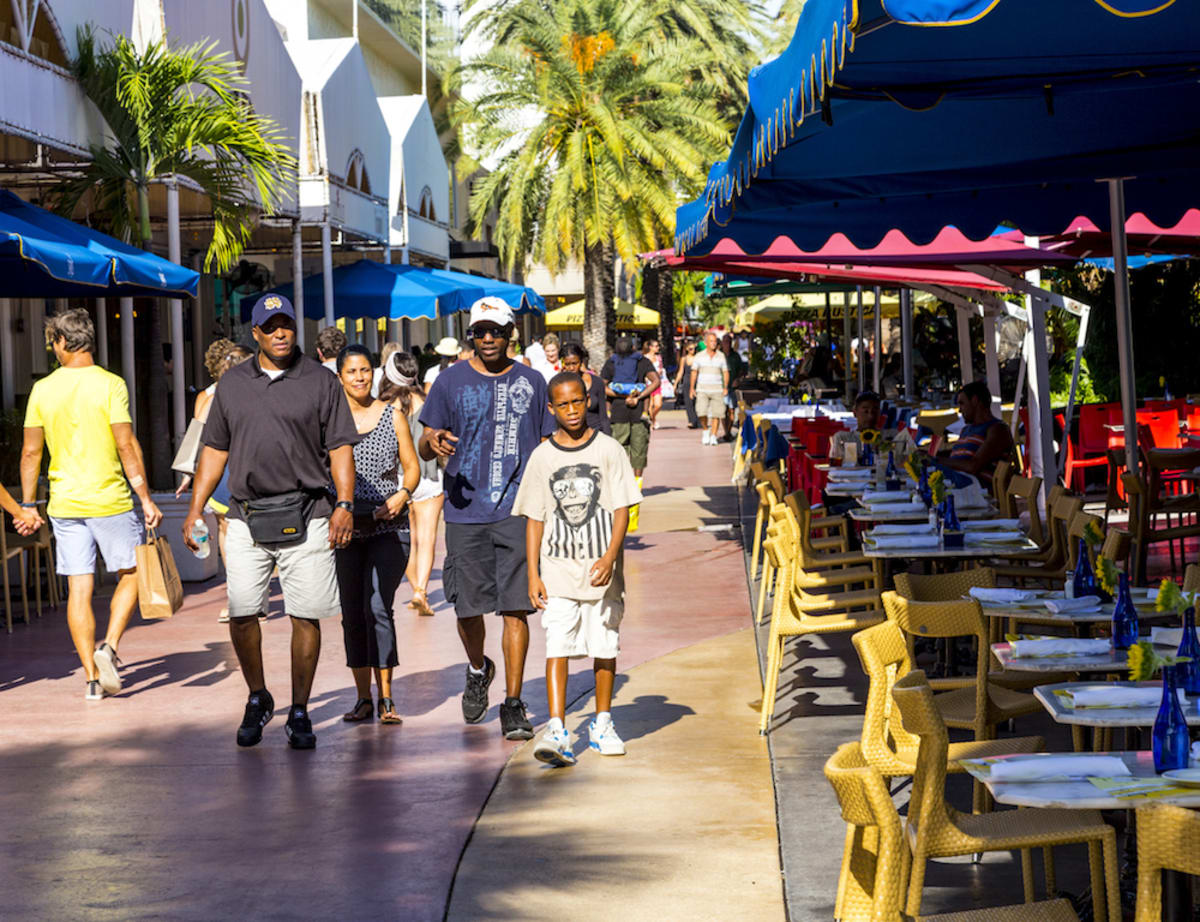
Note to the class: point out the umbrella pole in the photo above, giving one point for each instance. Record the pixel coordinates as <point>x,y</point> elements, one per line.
<point>906,341</point>
<point>1120,252</point>
<point>861,352</point>
<point>101,335</point>
<point>966,370</point>
<point>846,334</point>
<point>878,339</point>
<point>991,360</point>
<point>127,370</point>
<point>298,281</point>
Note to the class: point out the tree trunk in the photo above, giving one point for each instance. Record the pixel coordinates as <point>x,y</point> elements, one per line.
<point>666,316</point>
<point>599,312</point>
<point>158,429</point>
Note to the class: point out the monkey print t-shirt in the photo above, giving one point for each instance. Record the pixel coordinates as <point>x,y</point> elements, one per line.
<point>574,492</point>
<point>499,420</point>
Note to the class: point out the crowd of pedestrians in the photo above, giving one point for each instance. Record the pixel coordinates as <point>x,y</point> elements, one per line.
<point>335,479</point>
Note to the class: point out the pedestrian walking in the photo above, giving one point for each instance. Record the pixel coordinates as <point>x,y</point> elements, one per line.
<point>683,383</point>
<point>220,356</point>
<point>80,412</point>
<point>283,427</point>
<point>652,350</point>
<point>629,380</point>
<point>576,496</point>
<point>400,389</point>
<point>330,342</point>
<point>375,559</point>
<point>575,358</point>
<point>484,417</point>
<point>446,353</point>
<point>709,386</point>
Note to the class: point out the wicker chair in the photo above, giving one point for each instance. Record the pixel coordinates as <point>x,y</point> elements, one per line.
<point>1191,578</point>
<point>886,745</point>
<point>875,860</point>
<point>936,830</point>
<point>1026,490</point>
<point>796,612</point>
<point>1000,478</point>
<point>812,557</point>
<point>1075,529</point>
<point>1168,838</point>
<point>1049,565</point>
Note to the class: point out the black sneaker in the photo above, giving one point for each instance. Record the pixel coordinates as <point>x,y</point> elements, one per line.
<point>299,729</point>
<point>475,695</point>
<point>259,708</point>
<point>513,722</point>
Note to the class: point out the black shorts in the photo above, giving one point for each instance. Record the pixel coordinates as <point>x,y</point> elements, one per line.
<point>484,570</point>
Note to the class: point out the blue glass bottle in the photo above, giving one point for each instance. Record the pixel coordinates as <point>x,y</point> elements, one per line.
<point>892,474</point>
<point>1171,743</point>
<point>952,533</point>
<point>868,456</point>
<point>923,489</point>
<point>1125,618</point>
<point>1189,646</point>
<point>1085,576</point>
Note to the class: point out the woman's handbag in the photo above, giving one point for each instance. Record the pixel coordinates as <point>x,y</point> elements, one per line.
<point>189,448</point>
<point>278,519</point>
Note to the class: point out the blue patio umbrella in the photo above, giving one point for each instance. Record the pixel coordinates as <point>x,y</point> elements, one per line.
<point>520,298</point>
<point>43,255</point>
<point>372,289</point>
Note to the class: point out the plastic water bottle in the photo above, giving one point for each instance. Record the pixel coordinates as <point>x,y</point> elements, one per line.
<point>200,536</point>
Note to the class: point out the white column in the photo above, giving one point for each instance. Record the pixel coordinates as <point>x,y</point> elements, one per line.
<point>1120,251</point>
<point>878,339</point>
<point>8,374</point>
<point>991,360</point>
<point>179,393</point>
<point>327,272</point>
<point>127,370</point>
<point>906,341</point>
<point>298,280</point>
<point>102,332</point>
<point>1040,437</point>
<point>966,367</point>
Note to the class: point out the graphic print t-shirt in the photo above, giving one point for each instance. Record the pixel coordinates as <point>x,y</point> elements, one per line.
<point>574,492</point>
<point>499,421</point>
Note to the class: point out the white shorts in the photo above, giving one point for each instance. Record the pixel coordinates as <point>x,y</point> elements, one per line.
<point>577,627</point>
<point>117,536</point>
<point>306,572</point>
<point>710,405</point>
<point>428,489</point>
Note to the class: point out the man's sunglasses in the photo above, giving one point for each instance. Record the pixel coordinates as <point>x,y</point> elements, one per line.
<point>484,332</point>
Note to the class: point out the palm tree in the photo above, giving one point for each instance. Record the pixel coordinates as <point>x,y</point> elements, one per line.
<point>174,112</point>
<point>603,124</point>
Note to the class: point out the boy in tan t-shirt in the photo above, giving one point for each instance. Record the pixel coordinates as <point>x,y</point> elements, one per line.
<point>575,495</point>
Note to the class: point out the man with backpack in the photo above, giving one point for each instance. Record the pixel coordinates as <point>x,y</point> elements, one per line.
<point>629,378</point>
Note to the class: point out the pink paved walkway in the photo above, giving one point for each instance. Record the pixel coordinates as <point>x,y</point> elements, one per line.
<point>142,807</point>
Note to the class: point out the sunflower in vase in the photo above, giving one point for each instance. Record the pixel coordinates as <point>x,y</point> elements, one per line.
<point>937,487</point>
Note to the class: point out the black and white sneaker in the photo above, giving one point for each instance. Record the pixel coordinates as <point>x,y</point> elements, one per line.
<point>299,729</point>
<point>107,663</point>
<point>94,691</point>
<point>475,695</point>
<point>514,724</point>
<point>259,708</point>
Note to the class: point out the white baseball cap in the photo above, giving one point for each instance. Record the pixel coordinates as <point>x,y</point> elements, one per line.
<point>491,310</point>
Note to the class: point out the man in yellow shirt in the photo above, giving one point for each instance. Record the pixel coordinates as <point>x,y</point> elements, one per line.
<point>81,413</point>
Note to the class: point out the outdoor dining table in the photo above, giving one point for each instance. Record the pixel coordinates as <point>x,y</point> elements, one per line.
<point>880,515</point>
<point>1058,706</point>
<point>970,551</point>
<point>1034,611</point>
<point>1111,661</point>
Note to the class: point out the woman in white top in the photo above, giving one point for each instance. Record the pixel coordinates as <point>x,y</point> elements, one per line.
<point>709,385</point>
<point>653,351</point>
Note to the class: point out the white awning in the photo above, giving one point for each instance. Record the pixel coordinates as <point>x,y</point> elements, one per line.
<point>419,191</point>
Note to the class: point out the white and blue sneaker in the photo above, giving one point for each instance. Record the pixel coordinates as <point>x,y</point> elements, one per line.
<point>554,748</point>
<point>602,736</point>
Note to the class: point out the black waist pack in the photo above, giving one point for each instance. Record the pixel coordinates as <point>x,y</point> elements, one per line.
<point>278,519</point>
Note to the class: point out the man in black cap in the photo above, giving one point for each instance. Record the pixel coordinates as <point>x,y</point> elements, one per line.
<point>283,425</point>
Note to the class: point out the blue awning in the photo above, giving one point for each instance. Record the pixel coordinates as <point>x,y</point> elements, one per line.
<point>398,292</point>
<point>917,114</point>
<point>43,255</point>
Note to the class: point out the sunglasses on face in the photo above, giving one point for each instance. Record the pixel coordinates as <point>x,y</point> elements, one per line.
<point>488,331</point>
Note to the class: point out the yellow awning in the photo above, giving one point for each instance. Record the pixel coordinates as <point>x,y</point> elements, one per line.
<point>629,317</point>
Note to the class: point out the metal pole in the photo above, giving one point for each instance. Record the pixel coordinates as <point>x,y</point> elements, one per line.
<point>878,339</point>
<point>102,332</point>
<point>298,281</point>
<point>1120,251</point>
<point>1079,341</point>
<point>906,341</point>
<point>127,369</point>
<point>178,388</point>
<point>966,369</point>
<point>8,377</point>
<point>327,272</point>
<point>860,353</point>
<point>846,334</point>
<point>991,360</point>
<point>828,321</point>
<point>199,325</point>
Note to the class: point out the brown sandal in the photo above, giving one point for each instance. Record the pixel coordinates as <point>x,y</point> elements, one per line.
<point>357,713</point>
<point>420,604</point>
<point>387,712</point>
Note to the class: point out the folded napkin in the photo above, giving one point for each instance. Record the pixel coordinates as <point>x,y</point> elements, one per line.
<point>1047,767</point>
<point>1166,636</point>
<point>1118,696</point>
<point>887,496</point>
<point>1082,603</point>
<point>993,537</point>
<point>851,473</point>
<point>893,508</point>
<point>1002,595</point>
<point>892,542</point>
<point>970,497</point>
<point>913,528</point>
<point>1060,646</point>
<point>991,525</point>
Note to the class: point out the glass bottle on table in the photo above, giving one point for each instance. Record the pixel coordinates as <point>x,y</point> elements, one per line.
<point>1170,742</point>
<point>1085,576</point>
<point>1189,646</point>
<point>1125,617</point>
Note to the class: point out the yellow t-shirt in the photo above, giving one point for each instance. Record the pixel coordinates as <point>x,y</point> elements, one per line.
<point>76,408</point>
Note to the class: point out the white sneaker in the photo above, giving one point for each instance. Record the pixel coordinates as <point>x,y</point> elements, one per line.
<point>605,740</point>
<point>94,692</point>
<point>106,661</point>
<point>554,748</point>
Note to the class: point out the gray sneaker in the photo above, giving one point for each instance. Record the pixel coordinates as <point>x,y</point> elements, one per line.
<point>106,664</point>
<point>94,691</point>
<point>475,695</point>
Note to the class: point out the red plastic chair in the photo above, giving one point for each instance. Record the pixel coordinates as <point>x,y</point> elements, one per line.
<point>1163,425</point>
<point>1091,448</point>
<point>1178,406</point>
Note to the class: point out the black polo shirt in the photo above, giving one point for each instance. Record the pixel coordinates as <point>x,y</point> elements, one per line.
<point>279,432</point>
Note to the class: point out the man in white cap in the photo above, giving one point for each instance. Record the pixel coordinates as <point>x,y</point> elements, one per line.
<point>484,417</point>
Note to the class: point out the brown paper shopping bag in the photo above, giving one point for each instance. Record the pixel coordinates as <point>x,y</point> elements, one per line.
<point>160,591</point>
